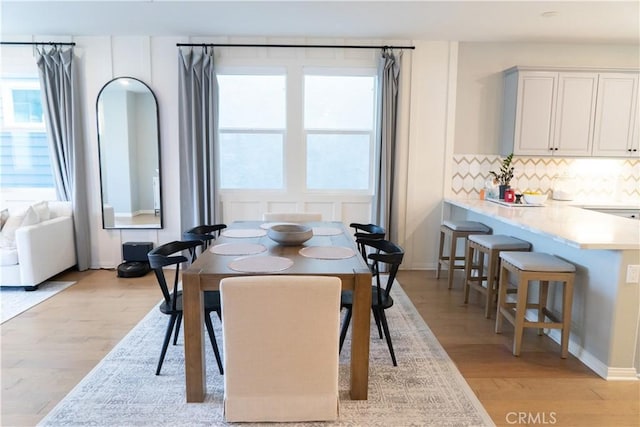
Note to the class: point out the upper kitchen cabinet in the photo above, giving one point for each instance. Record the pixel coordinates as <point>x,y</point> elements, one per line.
<point>616,126</point>
<point>554,112</point>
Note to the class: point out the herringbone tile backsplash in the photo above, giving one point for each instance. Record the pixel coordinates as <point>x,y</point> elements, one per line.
<point>594,179</point>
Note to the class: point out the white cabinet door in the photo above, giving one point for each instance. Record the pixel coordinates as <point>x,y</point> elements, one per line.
<point>575,111</point>
<point>535,108</point>
<point>616,115</point>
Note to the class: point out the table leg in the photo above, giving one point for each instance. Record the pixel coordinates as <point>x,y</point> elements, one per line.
<point>193,318</point>
<point>360,337</point>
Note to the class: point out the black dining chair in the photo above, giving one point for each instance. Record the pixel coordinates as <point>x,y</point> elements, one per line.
<point>204,233</point>
<point>385,253</point>
<point>366,231</point>
<point>170,254</point>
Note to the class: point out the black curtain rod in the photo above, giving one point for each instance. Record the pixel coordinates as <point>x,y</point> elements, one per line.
<point>39,43</point>
<point>305,46</point>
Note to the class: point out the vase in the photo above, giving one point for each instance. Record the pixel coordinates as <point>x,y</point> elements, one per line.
<point>502,189</point>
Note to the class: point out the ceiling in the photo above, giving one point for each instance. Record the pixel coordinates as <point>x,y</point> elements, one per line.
<point>481,21</point>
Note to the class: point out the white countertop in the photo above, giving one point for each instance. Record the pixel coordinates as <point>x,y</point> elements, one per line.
<point>571,225</point>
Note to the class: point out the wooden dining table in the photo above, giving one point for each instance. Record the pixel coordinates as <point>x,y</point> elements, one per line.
<point>217,262</point>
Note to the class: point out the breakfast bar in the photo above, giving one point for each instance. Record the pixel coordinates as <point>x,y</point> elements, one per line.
<point>606,305</point>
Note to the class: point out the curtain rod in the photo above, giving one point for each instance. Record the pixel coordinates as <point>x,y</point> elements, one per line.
<point>39,43</point>
<point>311,46</point>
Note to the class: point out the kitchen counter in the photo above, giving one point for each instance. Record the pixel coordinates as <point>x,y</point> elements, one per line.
<point>562,222</point>
<point>605,326</point>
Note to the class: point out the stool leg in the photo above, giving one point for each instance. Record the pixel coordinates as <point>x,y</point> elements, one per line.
<point>521,308</point>
<point>567,303</point>
<point>491,282</point>
<point>452,261</point>
<point>543,293</point>
<point>502,298</point>
<point>468,263</point>
<point>440,254</point>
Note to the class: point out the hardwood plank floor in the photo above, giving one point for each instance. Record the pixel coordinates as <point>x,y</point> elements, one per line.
<point>47,350</point>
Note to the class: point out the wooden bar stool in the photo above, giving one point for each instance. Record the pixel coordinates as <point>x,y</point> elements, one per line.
<point>455,230</point>
<point>491,245</point>
<point>542,267</point>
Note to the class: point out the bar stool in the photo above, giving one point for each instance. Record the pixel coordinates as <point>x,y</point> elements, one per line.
<point>455,230</point>
<point>490,245</point>
<point>528,266</point>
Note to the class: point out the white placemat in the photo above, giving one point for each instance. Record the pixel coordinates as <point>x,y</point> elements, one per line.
<point>327,252</point>
<point>244,232</point>
<point>238,249</point>
<point>326,231</point>
<point>260,264</point>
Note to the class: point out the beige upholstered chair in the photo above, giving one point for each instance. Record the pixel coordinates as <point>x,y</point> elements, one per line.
<point>280,340</point>
<point>292,216</point>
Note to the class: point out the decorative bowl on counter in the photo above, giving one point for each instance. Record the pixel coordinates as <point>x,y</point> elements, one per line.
<point>534,199</point>
<point>290,234</point>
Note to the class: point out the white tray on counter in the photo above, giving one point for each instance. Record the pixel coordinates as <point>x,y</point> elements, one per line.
<point>516,205</point>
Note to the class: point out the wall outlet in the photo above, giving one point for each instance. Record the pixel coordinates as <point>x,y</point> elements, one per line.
<point>633,274</point>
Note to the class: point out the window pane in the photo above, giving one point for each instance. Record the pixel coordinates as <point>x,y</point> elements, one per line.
<point>252,102</point>
<point>339,102</point>
<point>338,161</point>
<point>27,106</point>
<point>251,160</point>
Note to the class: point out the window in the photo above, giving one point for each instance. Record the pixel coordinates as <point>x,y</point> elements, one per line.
<point>297,129</point>
<point>339,131</point>
<point>251,125</point>
<point>25,164</point>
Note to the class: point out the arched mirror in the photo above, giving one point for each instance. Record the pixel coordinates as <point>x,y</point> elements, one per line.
<point>129,150</point>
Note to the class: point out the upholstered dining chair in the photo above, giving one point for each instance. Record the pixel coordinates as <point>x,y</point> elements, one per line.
<point>387,254</point>
<point>280,340</point>
<point>170,254</point>
<point>367,231</point>
<point>292,216</point>
<point>204,233</point>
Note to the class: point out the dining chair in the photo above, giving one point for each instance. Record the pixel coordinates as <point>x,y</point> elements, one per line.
<point>292,216</point>
<point>367,231</point>
<point>387,254</point>
<point>169,254</point>
<point>280,340</point>
<point>204,233</point>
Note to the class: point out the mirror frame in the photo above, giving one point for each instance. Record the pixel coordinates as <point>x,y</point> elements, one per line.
<point>153,226</point>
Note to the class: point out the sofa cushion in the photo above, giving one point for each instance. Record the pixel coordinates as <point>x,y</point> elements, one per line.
<point>15,221</point>
<point>4,215</point>
<point>8,256</point>
<point>42,210</point>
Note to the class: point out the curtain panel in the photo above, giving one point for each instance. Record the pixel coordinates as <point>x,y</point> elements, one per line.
<point>389,77</point>
<point>57,80</point>
<point>197,134</point>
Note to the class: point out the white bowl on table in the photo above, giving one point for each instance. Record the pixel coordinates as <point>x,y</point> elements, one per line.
<point>290,234</point>
<point>534,199</point>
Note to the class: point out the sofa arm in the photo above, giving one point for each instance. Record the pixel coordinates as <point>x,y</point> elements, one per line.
<point>45,249</point>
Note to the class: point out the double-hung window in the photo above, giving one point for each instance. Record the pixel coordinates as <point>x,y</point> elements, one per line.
<point>297,129</point>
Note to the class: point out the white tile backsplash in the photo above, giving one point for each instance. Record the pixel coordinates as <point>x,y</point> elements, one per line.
<point>604,180</point>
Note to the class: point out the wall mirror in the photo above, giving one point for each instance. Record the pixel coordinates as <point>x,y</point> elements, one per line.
<point>129,155</point>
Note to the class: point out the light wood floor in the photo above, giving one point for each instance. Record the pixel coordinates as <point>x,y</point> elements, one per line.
<point>47,350</point>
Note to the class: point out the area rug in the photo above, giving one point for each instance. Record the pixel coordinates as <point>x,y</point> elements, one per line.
<point>16,300</point>
<point>425,389</point>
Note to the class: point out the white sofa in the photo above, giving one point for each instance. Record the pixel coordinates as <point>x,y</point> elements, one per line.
<point>36,243</point>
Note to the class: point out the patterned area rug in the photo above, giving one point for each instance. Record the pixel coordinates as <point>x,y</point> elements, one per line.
<point>425,389</point>
<point>16,300</point>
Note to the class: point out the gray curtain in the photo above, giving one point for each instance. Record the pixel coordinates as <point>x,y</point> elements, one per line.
<point>197,132</point>
<point>389,78</point>
<point>56,71</point>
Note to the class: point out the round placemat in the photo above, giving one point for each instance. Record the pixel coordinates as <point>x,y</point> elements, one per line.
<point>326,231</point>
<point>260,264</point>
<point>327,252</point>
<point>238,249</point>
<point>244,232</point>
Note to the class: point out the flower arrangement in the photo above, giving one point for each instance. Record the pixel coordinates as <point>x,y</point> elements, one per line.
<point>504,176</point>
